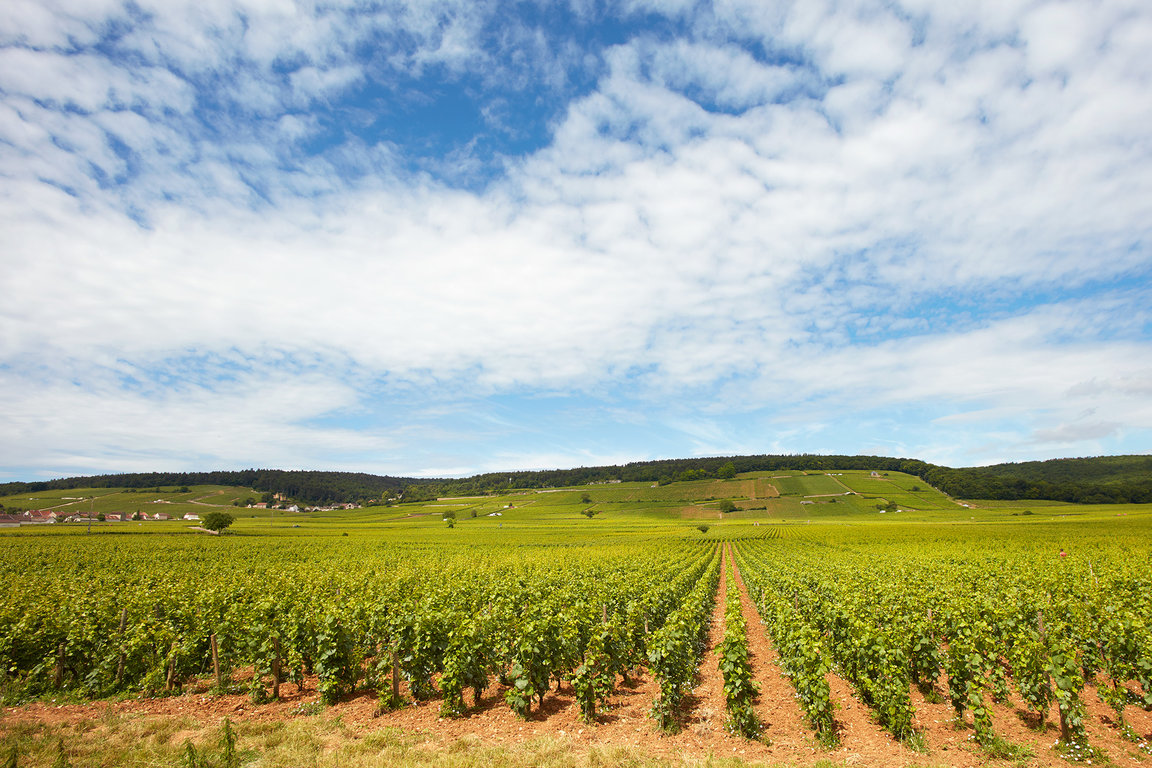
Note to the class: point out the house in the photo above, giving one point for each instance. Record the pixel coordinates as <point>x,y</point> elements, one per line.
<point>191,516</point>
<point>9,521</point>
<point>161,516</point>
<point>115,517</point>
<point>38,517</point>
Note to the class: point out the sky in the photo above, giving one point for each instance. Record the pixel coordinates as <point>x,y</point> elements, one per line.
<point>438,239</point>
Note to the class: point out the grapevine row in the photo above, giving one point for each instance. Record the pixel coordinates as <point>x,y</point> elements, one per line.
<point>800,647</point>
<point>886,623</point>
<point>740,688</point>
<point>674,650</point>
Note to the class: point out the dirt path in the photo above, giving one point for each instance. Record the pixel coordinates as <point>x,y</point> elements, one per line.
<point>200,500</point>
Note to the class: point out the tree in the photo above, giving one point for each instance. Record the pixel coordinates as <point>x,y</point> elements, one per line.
<point>100,517</point>
<point>589,513</point>
<point>217,521</point>
<point>585,498</point>
<point>727,471</point>
<point>727,505</point>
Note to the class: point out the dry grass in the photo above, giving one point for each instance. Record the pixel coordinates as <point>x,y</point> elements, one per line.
<point>116,740</point>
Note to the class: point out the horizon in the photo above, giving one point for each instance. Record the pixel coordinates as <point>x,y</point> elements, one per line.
<point>562,469</point>
<point>440,240</point>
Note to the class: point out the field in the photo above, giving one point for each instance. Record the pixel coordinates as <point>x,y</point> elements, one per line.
<point>831,619</point>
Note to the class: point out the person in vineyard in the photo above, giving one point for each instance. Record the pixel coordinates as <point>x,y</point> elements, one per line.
<point>1063,553</point>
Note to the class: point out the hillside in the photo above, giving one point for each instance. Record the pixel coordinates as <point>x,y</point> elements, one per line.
<point>1099,480</point>
<point>1101,470</point>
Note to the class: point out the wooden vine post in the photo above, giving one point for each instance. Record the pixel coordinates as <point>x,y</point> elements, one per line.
<point>121,661</point>
<point>60,656</point>
<point>216,663</point>
<point>168,683</point>
<point>276,668</point>
<point>395,675</point>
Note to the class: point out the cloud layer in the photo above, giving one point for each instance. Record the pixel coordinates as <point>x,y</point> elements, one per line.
<point>411,237</point>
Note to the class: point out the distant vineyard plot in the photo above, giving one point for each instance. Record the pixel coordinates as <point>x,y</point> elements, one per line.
<point>813,484</point>
<point>905,490</point>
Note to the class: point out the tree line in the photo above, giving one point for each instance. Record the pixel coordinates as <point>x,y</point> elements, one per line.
<point>313,487</point>
<point>1102,480</point>
<point>1099,480</point>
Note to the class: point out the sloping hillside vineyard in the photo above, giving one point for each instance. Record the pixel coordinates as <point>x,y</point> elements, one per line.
<point>980,614</point>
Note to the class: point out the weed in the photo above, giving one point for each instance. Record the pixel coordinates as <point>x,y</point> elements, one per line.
<point>1002,749</point>
<point>1080,752</point>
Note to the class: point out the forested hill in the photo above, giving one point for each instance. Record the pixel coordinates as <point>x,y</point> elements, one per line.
<point>1101,480</point>
<point>1104,470</point>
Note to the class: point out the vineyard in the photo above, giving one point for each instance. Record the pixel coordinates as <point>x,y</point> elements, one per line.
<point>949,641</point>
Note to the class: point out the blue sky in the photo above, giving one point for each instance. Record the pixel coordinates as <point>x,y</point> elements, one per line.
<point>445,238</point>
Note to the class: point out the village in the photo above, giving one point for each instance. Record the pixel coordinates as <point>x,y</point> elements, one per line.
<point>17,518</point>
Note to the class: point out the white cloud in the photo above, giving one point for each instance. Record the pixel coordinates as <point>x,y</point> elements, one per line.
<point>315,83</point>
<point>1078,432</point>
<point>108,428</point>
<point>788,254</point>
